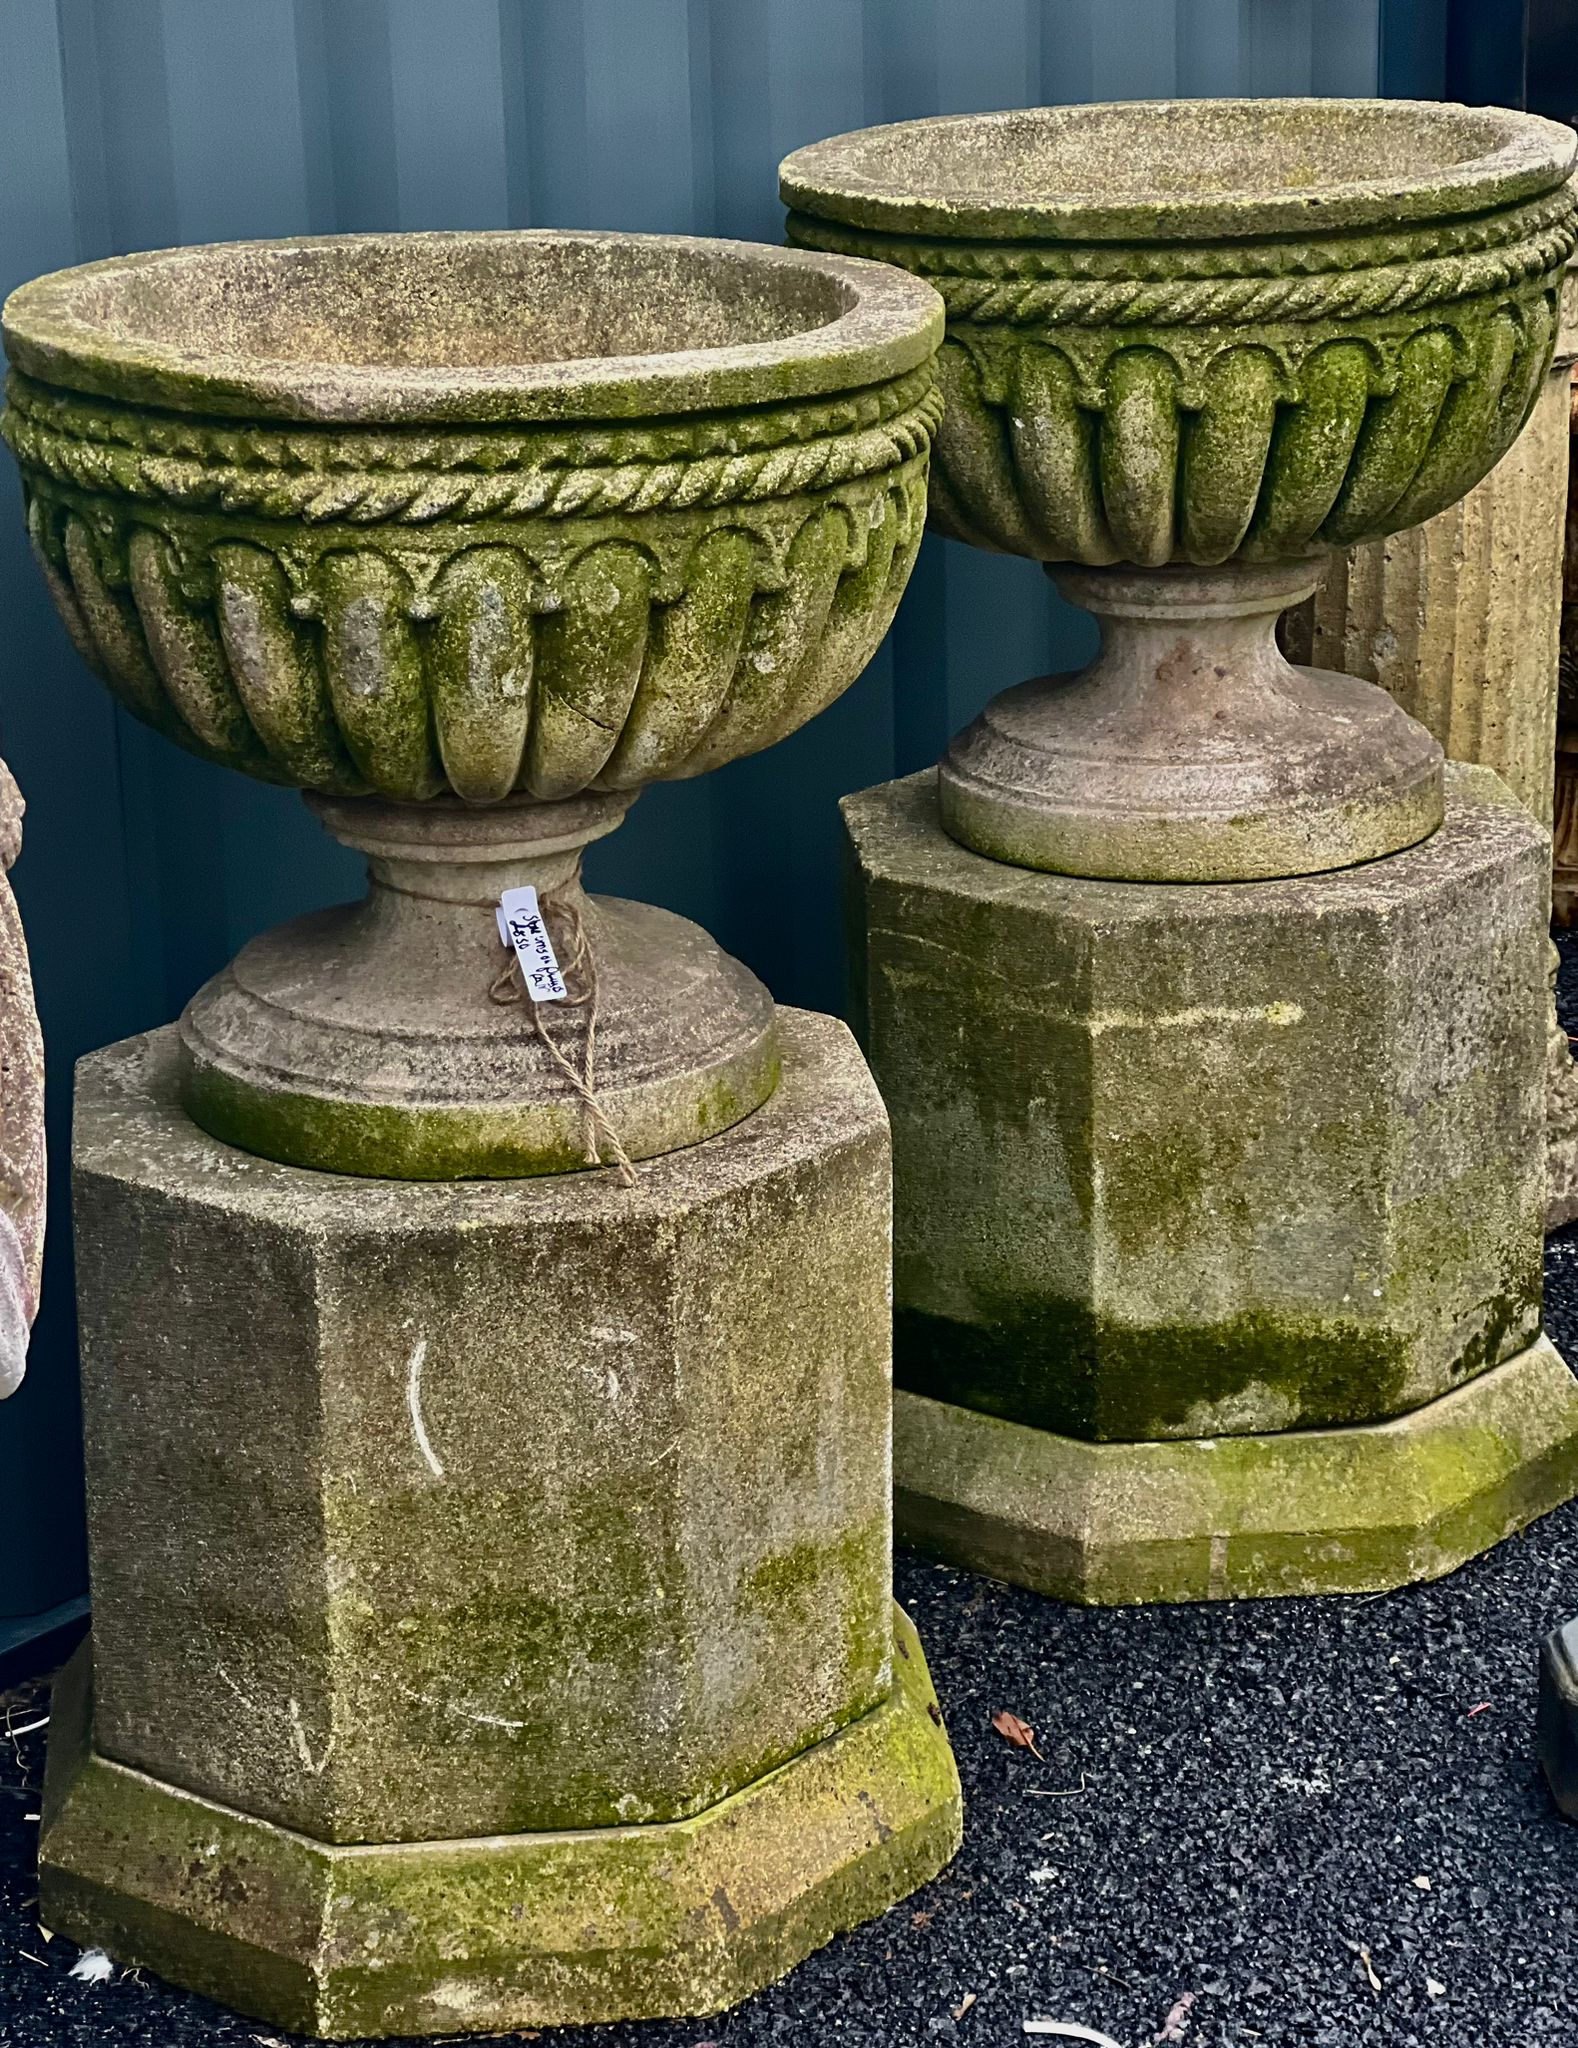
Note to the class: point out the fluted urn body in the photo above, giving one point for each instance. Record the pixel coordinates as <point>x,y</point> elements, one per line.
<point>470,537</point>
<point>1190,346</point>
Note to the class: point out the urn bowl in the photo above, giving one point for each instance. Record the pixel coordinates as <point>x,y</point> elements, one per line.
<point>474,514</point>
<point>1187,331</point>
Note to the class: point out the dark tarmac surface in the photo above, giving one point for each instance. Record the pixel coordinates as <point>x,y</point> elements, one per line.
<point>1323,1819</point>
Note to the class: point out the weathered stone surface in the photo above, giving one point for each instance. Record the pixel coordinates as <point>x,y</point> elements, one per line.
<point>1205,333</point>
<point>1459,618</point>
<point>22,1163</point>
<point>1241,1517</point>
<point>1564,824</point>
<point>420,1511</point>
<point>1187,1162</point>
<point>684,1917</point>
<point>1171,337</point>
<point>477,518</point>
<point>474,512</point>
<point>1562,1099</point>
<point>1121,770</point>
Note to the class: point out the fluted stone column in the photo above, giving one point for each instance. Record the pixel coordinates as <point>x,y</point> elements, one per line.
<point>1564,822</point>
<point>1564,863</point>
<point>1460,619</point>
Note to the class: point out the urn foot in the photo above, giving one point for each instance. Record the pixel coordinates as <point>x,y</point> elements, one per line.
<point>391,1037</point>
<point>1191,750</point>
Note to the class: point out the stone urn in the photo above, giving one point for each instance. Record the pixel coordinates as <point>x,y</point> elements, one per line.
<point>470,537</point>
<point>1205,999</point>
<point>1191,348</point>
<point>491,1562</point>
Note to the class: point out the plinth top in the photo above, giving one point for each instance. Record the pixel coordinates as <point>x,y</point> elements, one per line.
<point>1156,170</point>
<point>521,325</point>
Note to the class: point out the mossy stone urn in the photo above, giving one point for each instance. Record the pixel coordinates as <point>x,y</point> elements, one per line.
<point>1190,347</point>
<point>491,1559</point>
<point>470,537</point>
<point>1201,993</point>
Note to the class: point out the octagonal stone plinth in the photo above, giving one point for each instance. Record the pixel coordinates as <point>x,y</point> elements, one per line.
<point>1200,1163</point>
<point>424,1513</point>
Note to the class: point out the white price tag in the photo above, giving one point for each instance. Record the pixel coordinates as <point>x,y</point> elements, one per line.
<point>523,926</point>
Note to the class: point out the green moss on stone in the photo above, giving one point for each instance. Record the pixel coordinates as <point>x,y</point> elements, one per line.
<point>450,1661</point>
<point>1062,1366</point>
<point>1301,1511</point>
<point>1175,1161</point>
<point>1218,367</point>
<point>845,1569</point>
<point>388,1142</point>
<point>511,1931</point>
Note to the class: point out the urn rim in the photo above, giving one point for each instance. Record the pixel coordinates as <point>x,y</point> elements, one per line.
<point>813,324</point>
<point>995,176</point>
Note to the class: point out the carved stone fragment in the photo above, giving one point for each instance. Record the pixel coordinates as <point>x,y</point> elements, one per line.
<point>22,1167</point>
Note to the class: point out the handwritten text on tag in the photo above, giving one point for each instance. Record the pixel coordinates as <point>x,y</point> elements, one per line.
<point>523,926</point>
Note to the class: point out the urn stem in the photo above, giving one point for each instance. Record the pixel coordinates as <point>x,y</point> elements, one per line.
<point>1191,749</point>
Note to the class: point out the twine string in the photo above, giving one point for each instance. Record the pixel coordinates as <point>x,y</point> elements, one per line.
<point>603,1143</point>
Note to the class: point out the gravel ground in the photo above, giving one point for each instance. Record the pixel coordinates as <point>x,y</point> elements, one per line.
<point>1322,1819</point>
<point>1253,1799</point>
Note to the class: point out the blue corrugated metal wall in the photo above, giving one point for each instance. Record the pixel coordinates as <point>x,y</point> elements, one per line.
<point>128,124</point>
